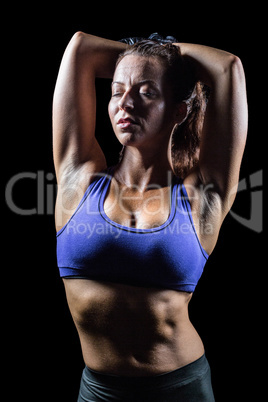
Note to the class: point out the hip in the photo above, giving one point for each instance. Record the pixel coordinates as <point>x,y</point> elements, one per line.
<point>188,384</point>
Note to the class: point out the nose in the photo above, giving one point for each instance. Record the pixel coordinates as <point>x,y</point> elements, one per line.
<point>126,102</point>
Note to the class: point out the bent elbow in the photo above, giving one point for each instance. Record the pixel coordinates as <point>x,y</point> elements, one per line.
<point>236,68</point>
<point>230,65</point>
<point>77,39</point>
<point>82,44</point>
<point>76,42</point>
<point>78,36</point>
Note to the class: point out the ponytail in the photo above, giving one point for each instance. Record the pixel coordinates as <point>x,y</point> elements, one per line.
<point>185,143</point>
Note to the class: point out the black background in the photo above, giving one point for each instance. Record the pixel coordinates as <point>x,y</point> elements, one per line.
<point>42,345</point>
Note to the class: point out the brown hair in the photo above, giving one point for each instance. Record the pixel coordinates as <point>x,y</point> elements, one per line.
<point>180,75</point>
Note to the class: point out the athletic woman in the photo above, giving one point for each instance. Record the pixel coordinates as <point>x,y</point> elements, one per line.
<point>133,239</point>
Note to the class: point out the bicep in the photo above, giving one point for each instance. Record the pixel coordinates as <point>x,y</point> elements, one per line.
<point>74,111</point>
<point>224,132</point>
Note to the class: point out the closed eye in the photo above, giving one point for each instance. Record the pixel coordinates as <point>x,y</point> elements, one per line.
<point>148,94</point>
<point>116,94</point>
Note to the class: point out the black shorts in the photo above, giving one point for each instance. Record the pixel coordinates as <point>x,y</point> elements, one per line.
<point>191,383</point>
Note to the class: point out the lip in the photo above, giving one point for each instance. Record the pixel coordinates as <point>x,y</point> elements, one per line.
<point>126,122</point>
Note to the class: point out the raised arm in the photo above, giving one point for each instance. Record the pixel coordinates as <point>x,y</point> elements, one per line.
<point>225,125</point>
<point>77,154</point>
<point>74,105</point>
<point>224,132</point>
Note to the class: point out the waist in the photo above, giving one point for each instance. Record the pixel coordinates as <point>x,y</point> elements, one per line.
<point>195,368</point>
<point>191,382</point>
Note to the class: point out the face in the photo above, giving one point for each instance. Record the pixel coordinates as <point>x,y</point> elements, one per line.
<point>140,108</point>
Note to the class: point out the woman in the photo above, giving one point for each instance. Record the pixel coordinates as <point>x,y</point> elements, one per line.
<point>133,239</point>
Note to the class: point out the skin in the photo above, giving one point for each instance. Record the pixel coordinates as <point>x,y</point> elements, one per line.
<point>139,89</point>
<point>128,330</point>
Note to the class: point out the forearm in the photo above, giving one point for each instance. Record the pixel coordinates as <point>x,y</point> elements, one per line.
<point>210,64</point>
<point>97,55</point>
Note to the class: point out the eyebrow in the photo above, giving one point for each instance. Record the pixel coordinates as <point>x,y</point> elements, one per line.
<point>138,83</point>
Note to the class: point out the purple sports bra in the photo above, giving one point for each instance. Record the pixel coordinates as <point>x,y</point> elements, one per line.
<point>92,246</point>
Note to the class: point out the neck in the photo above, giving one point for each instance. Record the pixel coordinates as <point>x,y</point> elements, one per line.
<point>140,170</point>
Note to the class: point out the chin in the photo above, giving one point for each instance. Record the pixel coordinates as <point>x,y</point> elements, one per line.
<point>127,138</point>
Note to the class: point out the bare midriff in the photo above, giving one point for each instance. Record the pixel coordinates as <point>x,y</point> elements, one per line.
<point>132,331</point>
